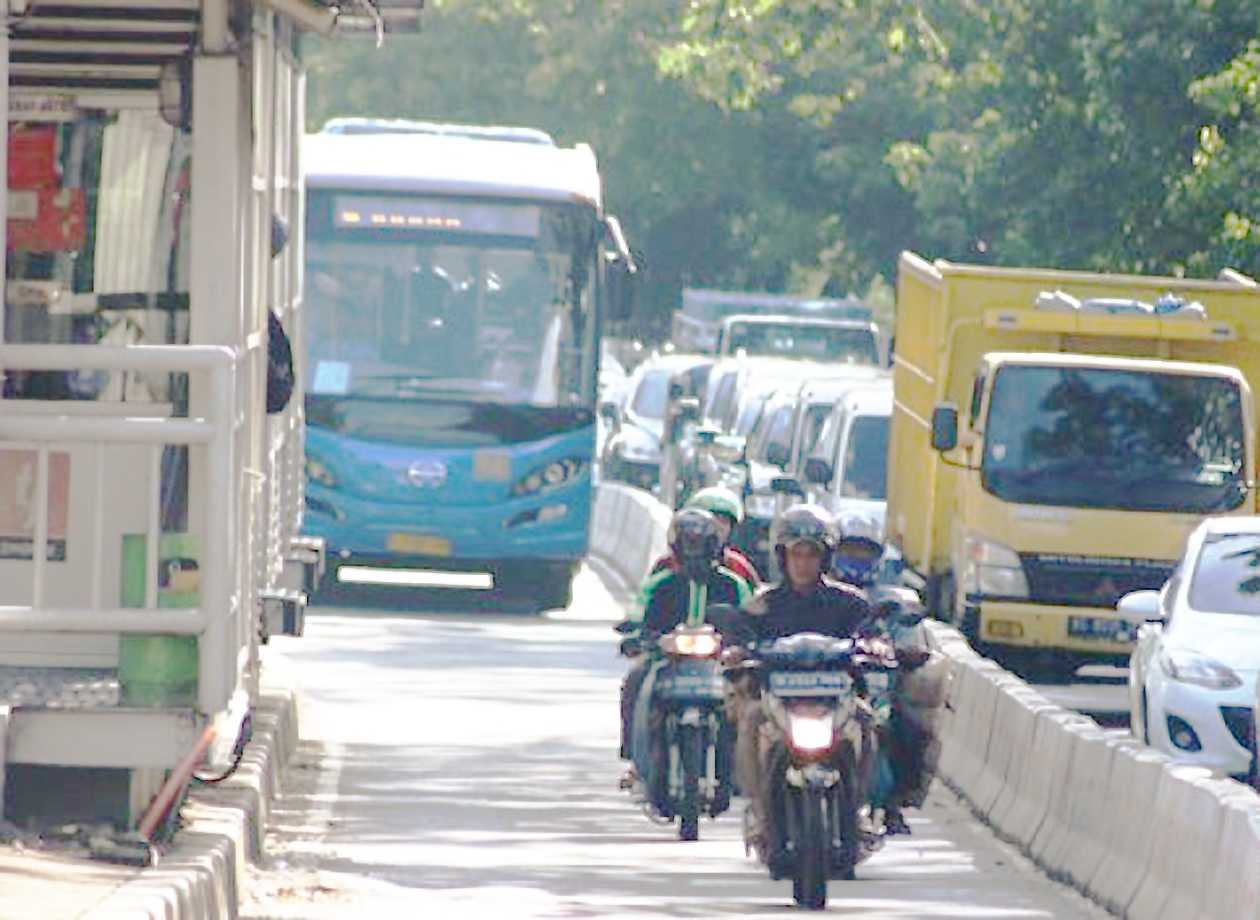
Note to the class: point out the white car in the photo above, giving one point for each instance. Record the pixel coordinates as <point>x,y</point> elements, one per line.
<point>1192,675</point>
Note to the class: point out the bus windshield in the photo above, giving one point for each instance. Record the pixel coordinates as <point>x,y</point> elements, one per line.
<point>415,298</point>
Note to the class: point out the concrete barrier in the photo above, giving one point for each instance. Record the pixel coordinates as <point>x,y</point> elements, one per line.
<point>1232,888</point>
<point>1178,795</point>
<point>628,531</point>
<point>1133,790</point>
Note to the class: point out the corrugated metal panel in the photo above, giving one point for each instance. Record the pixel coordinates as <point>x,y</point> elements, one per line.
<point>134,163</point>
<point>106,45</point>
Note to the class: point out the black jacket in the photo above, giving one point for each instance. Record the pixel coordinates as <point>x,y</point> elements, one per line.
<point>668,595</point>
<point>832,609</point>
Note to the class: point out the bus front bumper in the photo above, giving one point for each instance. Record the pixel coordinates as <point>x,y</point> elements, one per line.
<point>548,527</point>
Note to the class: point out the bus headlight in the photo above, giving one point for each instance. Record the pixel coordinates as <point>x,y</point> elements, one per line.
<point>318,471</point>
<point>554,474</point>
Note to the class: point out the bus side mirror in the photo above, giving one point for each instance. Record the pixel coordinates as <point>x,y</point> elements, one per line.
<point>945,427</point>
<point>621,274</point>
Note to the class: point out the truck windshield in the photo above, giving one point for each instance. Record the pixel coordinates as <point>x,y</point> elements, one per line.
<point>840,344</point>
<point>1108,438</point>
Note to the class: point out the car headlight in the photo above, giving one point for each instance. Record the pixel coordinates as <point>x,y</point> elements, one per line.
<point>759,506</point>
<point>991,569</point>
<point>556,473</point>
<point>318,471</point>
<point>1189,667</point>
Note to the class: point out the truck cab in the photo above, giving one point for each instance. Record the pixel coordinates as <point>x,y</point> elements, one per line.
<point>1056,436</point>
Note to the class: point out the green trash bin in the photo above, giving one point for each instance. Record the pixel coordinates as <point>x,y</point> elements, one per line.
<point>159,670</point>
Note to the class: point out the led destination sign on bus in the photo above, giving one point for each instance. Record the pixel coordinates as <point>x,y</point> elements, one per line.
<point>357,212</point>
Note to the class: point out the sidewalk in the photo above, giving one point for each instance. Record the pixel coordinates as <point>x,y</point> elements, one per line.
<point>198,876</point>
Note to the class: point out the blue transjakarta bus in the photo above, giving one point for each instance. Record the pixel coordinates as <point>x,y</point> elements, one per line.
<point>456,285</point>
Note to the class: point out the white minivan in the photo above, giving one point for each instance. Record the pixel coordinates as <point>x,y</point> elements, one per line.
<point>846,472</point>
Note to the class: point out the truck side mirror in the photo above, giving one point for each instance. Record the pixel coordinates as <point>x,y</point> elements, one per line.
<point>608,410</point>
<point>777,454</point>
<point>945,427</point>
<point>818,471</point>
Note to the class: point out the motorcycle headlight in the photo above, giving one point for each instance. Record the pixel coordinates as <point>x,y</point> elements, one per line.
<point>697,645</point>
<point>810,731</point>
<point>318,471</point>
<point>1189,667</point>
<point>553,474</point>
<point>992,569</point>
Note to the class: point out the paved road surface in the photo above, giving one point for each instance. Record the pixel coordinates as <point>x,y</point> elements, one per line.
<point>462,764</point>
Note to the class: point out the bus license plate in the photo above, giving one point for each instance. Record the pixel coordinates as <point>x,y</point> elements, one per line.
<point>418,544</point>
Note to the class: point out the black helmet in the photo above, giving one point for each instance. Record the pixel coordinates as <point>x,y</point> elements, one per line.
<point>694,538</point>
<point>804,524</point>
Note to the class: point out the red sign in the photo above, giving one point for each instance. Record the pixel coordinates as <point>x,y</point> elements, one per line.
<point>57,222</point>
<point>33,157</point>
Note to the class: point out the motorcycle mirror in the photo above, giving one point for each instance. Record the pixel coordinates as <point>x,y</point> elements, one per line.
<point>625,627</point>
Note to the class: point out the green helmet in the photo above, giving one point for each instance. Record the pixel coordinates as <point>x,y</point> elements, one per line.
<point>719,500</point>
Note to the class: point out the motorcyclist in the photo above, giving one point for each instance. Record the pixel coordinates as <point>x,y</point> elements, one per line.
<point>673,597</point>
<point>856,562</point>
<point>728,510</point>
<point>804,539</point>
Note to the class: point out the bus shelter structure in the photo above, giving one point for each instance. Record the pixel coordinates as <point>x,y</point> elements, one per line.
<point>150,504</point>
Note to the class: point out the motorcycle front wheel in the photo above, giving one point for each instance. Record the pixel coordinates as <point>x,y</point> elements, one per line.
<point>809,886</point>
<point>691,755</point>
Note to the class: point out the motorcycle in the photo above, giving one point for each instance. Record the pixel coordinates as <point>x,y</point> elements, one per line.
<point>815,692</point>
<point>682,742</point>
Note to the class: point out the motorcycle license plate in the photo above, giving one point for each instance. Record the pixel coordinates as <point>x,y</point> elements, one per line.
<point>810,683</point>
<point>691,686</point>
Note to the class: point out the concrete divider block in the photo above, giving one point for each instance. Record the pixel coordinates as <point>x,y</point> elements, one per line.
<point>1012,721</point>
<point>1051,839</point>
<point>1089,806</point>
<point>1176,796</point>
<point>959,757</point>
<point>1197,851</point>
<point>1023,763</point>
<point>1133,789</point>
<point>1232,888</point>
<point>972,728</point>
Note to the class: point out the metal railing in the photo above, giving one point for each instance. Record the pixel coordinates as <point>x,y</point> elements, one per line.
<point>223,622</point>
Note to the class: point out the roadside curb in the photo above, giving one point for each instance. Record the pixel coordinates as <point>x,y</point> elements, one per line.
<point>199,878</point>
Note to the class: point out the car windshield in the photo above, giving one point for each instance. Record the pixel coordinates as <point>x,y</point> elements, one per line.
<point>652,394</point>
<point>834,344</point>
<point>1227,575</point>
<point>411,296</point>
<point>1108,438</point>
<point>866,459</point>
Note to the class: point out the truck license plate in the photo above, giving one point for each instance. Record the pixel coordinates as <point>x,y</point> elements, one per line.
<point>1099,628</point>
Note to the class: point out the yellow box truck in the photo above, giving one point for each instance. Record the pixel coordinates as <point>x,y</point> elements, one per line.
<point>1055,437</point>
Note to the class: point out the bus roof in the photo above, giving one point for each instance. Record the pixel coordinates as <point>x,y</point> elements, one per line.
<point>436,164</point>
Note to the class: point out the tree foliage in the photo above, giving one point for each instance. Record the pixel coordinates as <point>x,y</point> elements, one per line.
<point>782,144</point>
